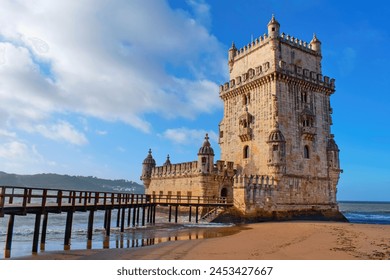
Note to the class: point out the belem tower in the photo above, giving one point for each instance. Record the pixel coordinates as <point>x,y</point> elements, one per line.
<point>279,158</point>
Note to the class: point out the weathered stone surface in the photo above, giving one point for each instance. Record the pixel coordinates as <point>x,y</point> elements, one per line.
<point>278,153</point>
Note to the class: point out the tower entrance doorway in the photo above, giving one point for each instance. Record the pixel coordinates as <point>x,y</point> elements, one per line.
<point>224,192</point>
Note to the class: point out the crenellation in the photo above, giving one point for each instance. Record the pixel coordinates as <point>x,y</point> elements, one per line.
<point>298,71</point>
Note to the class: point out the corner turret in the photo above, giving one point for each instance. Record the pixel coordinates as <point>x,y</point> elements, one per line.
<point>315,44</point>
<point>147,165</point>
<point>206,156</point>
<point>273,28</point>
<point>333,153</point>
<point>277,151</point>
<point>231,55</point>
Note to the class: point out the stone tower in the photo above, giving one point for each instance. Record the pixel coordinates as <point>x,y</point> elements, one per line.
<point>277,122</point>
<point>279,159</point>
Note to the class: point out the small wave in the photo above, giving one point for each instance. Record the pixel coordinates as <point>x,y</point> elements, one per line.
<point>368,217</point>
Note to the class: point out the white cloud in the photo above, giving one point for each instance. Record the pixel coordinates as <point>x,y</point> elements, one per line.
<point>201,11</point>
<point>5,133</point>
<point>13,150</point>
<point>15,155</point>
<point>106,60</point>
<point>62,131</point>
<point>186,136</point>
<point>101,132</point>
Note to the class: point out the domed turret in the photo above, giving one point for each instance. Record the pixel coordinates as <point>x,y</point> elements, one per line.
<point>276,136</point>
<point>149,159</point>
<point>167,162</point>
<point>206,156</point>
<point>147,166</point>
<point>232,53</point>
<point>206,147</point>
<point>332,146</point>
<point>333,153</point>
<point>273,28</point>
<point>315,44</point>
<point>277,151</point>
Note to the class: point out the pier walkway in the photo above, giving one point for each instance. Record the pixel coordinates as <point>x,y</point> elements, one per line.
<point>140,209</point>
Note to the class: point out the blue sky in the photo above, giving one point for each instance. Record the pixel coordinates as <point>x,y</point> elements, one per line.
<point>87,87</point>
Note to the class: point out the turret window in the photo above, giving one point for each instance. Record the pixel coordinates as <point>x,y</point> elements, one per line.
<point>246,152</point>
<point>306,152</point>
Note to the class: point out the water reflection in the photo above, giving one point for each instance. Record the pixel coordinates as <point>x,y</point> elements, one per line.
<point>132,238</point>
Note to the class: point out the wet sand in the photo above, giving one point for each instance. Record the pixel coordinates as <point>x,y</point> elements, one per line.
<point>269,241</point>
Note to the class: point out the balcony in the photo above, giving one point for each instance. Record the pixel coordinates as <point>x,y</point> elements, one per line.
<point>308,132</point>
<point>245,134</point>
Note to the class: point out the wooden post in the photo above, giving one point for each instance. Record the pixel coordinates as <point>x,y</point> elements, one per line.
<point>8,243</point>
<point>123,219</point>
<point>154,213</point>
<point>44,229</point>
<point>68,230</point>
<point>176,212</point>
<point>36,232</point>
<point>148,214</point>
<point>129,217</point>
<point>96,202</point>
<point>2,201</point>
<point>134,215</point>
<point>90,229</point>
<point>196,214</point>
<point>108,224</point>
<point>170,211</point>
<point>118,217</point>
<point>143,215</point>
<point>105,219</point>
<point>138,215</point>
<point>59,200</point>
<point>189,215</point>
<point>29,195</point>
<point>25,199</point>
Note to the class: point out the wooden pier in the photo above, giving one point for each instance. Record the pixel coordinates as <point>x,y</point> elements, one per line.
<point>140,209</point>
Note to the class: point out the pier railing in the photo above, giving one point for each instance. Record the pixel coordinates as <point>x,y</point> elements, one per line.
<point>22,201</point>
<point>137,209</point>
<point>191,200</point>
<point>17,201</point>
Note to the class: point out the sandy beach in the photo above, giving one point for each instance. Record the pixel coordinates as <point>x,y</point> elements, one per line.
<point>262,241</point>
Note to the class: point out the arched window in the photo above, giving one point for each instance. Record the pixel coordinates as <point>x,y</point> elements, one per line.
<point>246,99</point>
<point>246,152</point>
<point>306,152</point>
<point>224,192</point>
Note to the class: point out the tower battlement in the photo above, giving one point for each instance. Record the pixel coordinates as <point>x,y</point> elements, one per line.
<point>292,71</point>
<point>191,168</point>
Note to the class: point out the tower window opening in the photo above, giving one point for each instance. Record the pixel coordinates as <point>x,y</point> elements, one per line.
<point>245,99</point>
<point>275,147</point>
<point>306,152</point>
<point>304,97</point>
<point>246,152</point>
<point>224,192</point>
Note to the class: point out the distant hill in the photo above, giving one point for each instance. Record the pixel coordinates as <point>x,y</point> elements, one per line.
<point>56,181</point>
